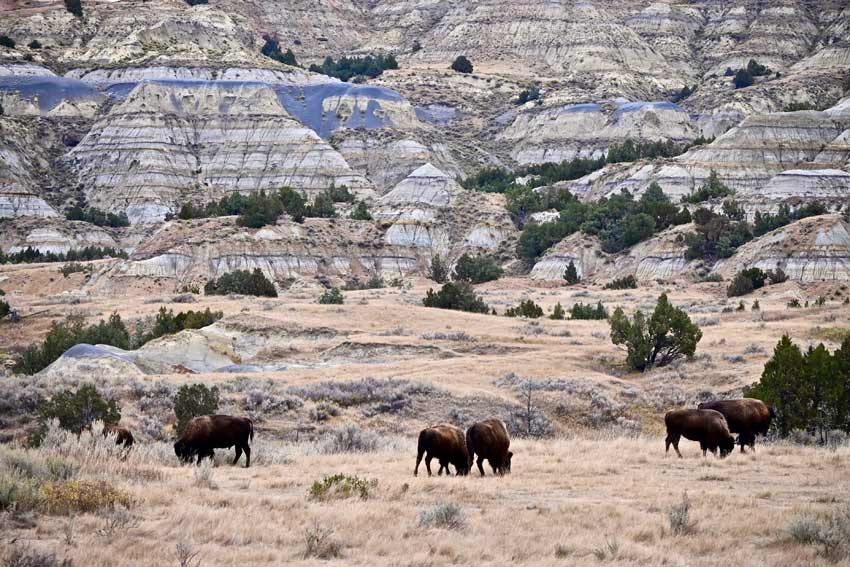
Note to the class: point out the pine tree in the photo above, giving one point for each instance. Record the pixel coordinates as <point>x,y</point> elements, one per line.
<point>571,274</point>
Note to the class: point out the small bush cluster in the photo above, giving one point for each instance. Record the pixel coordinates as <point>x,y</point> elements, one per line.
<point>21,556</point>
<point>527,309</point>
<point>192,401</point>
<point>241,282</point>
<point>444,515</point>
<point>438,271</point>
<point>462,65</point>
<point>271,49</point>
<point>627,282</point>
<point>588,312</point>
<point>332,296</point>
<point>829,532</point>
<point>458,296</point>
<point>712,188</point>
<point>558,313</point>
<point>476,269</point>
<point>340,486</point>
<point>347,68</point>
<point>752,279</point>
<point>679,517</point>
<point>97,217</point>
<point>375,281</point>
<point>320,543</point>
<point>82,496</point>
<point>31,255</point>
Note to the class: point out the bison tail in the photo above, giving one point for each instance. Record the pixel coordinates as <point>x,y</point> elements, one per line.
<point>250,430</point>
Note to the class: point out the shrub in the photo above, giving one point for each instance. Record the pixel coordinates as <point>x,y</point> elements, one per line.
<point>628,282</point>
<point>74,268</point>
<point>794,304</point>
<point>571,274</point>
<point>34,44</point>
<point>716,236</point>
<point>347,68</point>
<point>558,312</point>
<point>75,7</point>
<point>462,65</point>
<point>82,496</point>
<point>20,556</point>
<point>77,410</point>
<point>683,94</point>
<point>167,323</point>
<point>526,308</point>
<point>193,401</point>
<point>97,217</point>
<point>6,41</point>
<point>444,515</point>
<point>242,282</point>
<point>777,276</point>
<point>588,312</point>
<point>271,49</point>
<point>712,188</point>
<point>340,486</point>
<point>830,532</point>
<point>438,271</point>
<point>361,212</point>
<point>809,391</point>
<point>5,308</point>
<point>666,336</point>
<point>322,206</point>
<point>679,517</point>
<point>458,296</point>
<point>332,296</point>
<point>529,94</point>
<point>320,543</point>
<point>743,79</point>
<point>31,255</point>
<point>349,438</point>
<point>476,269</point>
<point>756,306</point>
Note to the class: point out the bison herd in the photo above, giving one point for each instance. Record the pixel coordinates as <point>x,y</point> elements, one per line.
<point>712,424</point>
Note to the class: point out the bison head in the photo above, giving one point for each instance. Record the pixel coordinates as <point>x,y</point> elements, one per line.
<point>506,466</point>
<point>183,450</point>
<point>726,446</point>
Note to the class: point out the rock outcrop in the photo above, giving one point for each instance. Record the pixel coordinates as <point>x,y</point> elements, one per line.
<point>171,142</point>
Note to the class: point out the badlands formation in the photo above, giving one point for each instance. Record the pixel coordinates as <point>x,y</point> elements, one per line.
<point>148,110</point>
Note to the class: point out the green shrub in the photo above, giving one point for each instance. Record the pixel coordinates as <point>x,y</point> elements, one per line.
<point>70,497</point>
<point>766,222</point>
<point>438,271</point>
<point>462,65</point>
<point>571,274</point>
<point>529,94</point>
<point>809,391</point>
<point>241,282</point>
<point>746,281</point>
<point>350,67</point>
<point>456,295</point>
<point>794,304</point>
<point>588,312</point>
<point>34,44</point>
<point>361,212</point>
<point>476,269</point>
<point>271,49</point>
<point>6,41</point>
<point>558,312</point>
<point>777,276</point>
<point>683,94</point>
<point>193,401</point>
<point>743,79</point>
<point>5,308</point>
<point>666,336</point>
<point>627,282</point>
<point>322,206</point>
<point>712,188</point>
<point>31,255</point>
<point>97,217</point>
<point>332,296</point>
<point>75,7</point>
<point>77,410</point>
<point>167,323</point>
<point>756,306</point>
<point>445,515</point>
<point>340,486</point>
<point>716,236</point>
<point>526,308</point>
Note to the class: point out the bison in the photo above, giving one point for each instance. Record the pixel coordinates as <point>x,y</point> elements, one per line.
<point>123,436</point>
<point>208,432</point>
<point>746,417</point>
<point>445,443</point>
<point>709,427</point>
<point>489,440</point>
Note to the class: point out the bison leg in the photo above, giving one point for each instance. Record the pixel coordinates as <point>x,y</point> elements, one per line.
<point>672,440</point>
<point>419,454</point>
<point>480,463</point>
<point>247,449</point>
<point>238,454</point>
<point>428,464</point>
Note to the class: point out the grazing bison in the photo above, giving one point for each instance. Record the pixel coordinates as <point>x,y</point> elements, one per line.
<point>122,434</point>
<point>489,440</point>
<point>445,443</point>
<point>746,417</point>
<point>706,426</point>
<point>208,432</point>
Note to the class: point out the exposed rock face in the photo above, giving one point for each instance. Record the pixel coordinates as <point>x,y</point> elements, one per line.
<point>54,235</point>
<point>429,210</point>
<point>174,141</point>
<point>20,204</point>
<point>587,130</point>
<point>21,158</point>
<point>820,184</point>
<point>32,91</point>
<point>812,249</point>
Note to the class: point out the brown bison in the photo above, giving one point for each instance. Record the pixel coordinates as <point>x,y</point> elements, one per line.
<point>445,443</point>
<point>489,440</point>
<point>122,434</point>
<point>746,417</point>
<point>706,426</point>
<point>208,432</point>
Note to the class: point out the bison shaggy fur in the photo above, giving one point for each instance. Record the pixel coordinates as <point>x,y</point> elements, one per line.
<point>123,436</point>
<point>747,417</point>
<point>489,440</point>
<point>706,426</point>
<point>447,444</point>
<point>204,434</point>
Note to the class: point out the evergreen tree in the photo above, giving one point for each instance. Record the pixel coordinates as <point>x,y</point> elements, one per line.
<point>571,274</point>
<point>462,65</point>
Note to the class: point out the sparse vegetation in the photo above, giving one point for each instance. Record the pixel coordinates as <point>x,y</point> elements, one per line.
<point>340,486</point>
<point>361,212</point>
<point>31,255</point>
<point>626,282</point>
<point>711,189</point>
<point>589,312</point>
<point>527,309</point>
<point>679,517</point>
<point>271,49</point>
<point>332,296</point>
<point>476,269</point>
<point>241,282</point>
<point>666,336</point>
<point>97,217</point>
<point>445,515</point>
<point>348,68</point>
<point>459,296</point>
<point>192,401</point>
<point>529,94</point>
